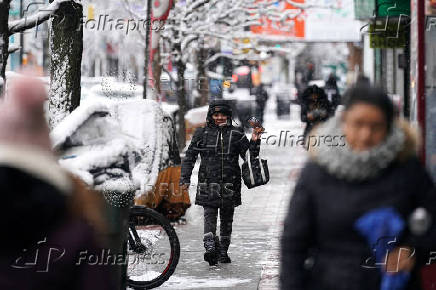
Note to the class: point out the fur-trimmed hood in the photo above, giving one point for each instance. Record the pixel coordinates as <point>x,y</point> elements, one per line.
<point>36,162</point>
<point>344,163</point>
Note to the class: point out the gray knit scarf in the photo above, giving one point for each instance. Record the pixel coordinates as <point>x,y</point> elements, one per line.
<point>350,165</point>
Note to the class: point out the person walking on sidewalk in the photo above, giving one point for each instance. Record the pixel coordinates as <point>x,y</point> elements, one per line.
<point>219,144</point>
<point>315,107</point>
<point>376,168</point>
<point>332,91</point>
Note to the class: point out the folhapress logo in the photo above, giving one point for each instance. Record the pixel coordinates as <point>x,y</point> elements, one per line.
<point>39,258</point>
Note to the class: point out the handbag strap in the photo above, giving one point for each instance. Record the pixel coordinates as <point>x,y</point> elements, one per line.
<point>247,157</point>
<point>262,170</point>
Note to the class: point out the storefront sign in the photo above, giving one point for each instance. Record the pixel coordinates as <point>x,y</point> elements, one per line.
<point>386,8</point>
<point>387,34</point>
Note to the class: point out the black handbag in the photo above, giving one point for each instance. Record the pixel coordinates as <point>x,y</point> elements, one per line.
<point>254,171</point>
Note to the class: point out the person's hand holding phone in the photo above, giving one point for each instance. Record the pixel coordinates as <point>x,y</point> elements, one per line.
<point>257,132</point>
<point>257,128</point>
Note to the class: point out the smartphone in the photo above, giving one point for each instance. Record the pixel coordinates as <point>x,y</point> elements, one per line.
<point>254,122</point>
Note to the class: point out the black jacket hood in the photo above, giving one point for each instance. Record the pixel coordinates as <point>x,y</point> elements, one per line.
<point>221,106</point>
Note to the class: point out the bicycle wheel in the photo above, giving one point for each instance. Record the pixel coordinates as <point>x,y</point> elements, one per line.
<point>153,249</point>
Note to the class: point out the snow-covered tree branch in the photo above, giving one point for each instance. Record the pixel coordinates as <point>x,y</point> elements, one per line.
<point>4,39</point>
<point>35,19</point>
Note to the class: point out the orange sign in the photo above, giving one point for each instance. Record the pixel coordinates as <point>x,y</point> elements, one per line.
<point>292,27</point>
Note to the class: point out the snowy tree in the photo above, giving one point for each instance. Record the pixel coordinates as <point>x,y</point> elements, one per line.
<point>66,50</point>
<point>4,39</point>
<point>66,46</point>
<point>190,27</point>
<point>193,23</point>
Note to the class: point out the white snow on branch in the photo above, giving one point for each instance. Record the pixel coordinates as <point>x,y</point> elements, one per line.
<point>33,20</point>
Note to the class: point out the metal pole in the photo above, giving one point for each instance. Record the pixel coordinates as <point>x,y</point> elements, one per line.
<point>147,48</point>
<point>407,74</point>
<point>420,6</point>
<point>21,36</point>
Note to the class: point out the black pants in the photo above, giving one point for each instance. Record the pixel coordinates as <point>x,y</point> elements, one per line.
<point>309,127</point>
<point>260,109</point>
<point>226,220</point>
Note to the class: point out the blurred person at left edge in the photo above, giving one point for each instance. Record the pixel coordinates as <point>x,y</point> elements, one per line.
<point>47,221</point>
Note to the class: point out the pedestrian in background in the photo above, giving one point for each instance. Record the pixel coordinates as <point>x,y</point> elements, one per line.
<point>47,219</point>
<point>261,98</point>
<point>332,91</point>
<point>377,167</point>
<point>315,107</point>
<point>220,144</point>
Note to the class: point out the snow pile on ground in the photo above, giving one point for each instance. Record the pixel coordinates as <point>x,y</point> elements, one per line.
<point>189,282</point>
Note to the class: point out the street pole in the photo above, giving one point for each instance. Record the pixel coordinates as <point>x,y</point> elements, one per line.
<point>420,95</point>
<point>21,36</point>
<point>147,48</point>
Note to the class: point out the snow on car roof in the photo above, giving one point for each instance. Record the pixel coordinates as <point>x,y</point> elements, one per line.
<point>197,115</point>
<point>72,122</point>
<point>141,124</point>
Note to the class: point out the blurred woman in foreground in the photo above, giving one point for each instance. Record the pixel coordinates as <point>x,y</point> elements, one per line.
<point>378,168</point>
<point>50,223</point>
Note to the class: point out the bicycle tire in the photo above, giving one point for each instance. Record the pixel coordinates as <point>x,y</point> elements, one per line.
<point>174,243</point>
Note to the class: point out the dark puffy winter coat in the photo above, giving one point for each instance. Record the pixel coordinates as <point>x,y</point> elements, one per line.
<point>219,176</point>
<point>320,104</point>
<point>319,226</point>
<point>38,223</point>
<point>332,91</point>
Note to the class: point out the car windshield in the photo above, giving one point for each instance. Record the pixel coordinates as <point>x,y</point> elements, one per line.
<point>99,128</point>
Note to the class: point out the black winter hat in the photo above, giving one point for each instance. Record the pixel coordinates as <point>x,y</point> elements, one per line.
<point>314,90</point>
<point>221,106</point>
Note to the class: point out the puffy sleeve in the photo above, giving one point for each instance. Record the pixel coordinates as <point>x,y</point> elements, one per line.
<point>253,146</point>
<point>190,158</point>
<point>297,236</point>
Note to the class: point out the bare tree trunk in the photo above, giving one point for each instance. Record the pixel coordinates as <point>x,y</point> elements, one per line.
<point>181,98</point>
<point>157,70</point>
<point>147,50</point>
<point>203,81</point>
<point>66,46</point>
<point>4,40</point>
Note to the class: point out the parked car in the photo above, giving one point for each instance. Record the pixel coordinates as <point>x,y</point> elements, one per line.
<point>124,146</point>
